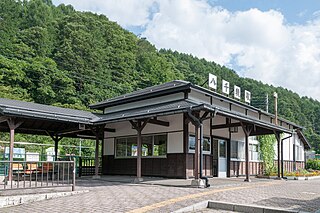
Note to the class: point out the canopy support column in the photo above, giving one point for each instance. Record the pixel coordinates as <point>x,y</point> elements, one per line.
<point>56,138</point>
<point>13,124</point>
<point>97,131</point>
<point>139,126</point>
<point>277,134</point>
<point>247,131</point>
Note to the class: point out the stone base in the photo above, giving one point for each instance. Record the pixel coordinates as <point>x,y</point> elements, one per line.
<point>137,180</point>
<point>247,180</point>
<point>96,177</point>
<point>200,183</point>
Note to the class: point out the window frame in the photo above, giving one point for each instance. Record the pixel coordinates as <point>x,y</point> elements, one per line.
<point>147,135</point>
<point>204,151</point>
<point>238,148</point>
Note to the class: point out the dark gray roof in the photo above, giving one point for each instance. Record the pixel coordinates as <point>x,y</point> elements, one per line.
<point>167,108</point>
<point>148,92</point>
<point>34,110</point>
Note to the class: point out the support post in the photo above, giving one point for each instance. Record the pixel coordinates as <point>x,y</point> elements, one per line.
<point>97,131</point>
<point>201,150</point>
<point>277,134</point>
<point>139,126</point>
<point>11,152</point>
<point>282,159</point>
<point>139,153</point>
<point>196,154</point>
<point>56,144</point>
<point>247,131</point>
<point>96,158</point>
<point>247,158</point>
<point>13,124</point>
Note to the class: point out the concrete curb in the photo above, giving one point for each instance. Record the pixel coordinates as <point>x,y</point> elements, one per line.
<point>234,207</point>
<point>21,199</point>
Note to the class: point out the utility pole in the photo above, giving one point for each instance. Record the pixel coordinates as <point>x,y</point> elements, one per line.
<point>275,95</point>
<point>267,103</point>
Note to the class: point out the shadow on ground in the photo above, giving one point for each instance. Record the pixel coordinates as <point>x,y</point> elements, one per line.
<point>293,204</point>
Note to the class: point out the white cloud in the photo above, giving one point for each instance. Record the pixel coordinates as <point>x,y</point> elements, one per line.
<point>125,12</point>
<point>260,42</point>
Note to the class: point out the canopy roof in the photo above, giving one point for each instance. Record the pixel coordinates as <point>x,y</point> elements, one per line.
<point>44,119</point>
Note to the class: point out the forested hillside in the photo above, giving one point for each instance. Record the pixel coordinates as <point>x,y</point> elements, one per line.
<point>59,56</point>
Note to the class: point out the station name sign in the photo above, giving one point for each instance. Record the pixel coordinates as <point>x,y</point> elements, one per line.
<point>213,84</point>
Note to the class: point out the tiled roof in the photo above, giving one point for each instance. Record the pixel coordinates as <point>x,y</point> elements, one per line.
<point>154,90</point>
<point>29,109</point>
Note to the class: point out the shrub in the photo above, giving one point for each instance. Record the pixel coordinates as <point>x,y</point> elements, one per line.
<point>313,164</point>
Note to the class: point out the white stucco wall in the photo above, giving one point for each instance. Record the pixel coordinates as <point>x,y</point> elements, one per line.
<point>175,142</point>
<point>174,133</point>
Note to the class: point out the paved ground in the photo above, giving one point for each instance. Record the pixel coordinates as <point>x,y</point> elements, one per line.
<point>109,196</point>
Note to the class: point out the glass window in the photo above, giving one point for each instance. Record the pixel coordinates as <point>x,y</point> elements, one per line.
<point>241,150</point>
<point>160,145</point>
<point>206,145</point>
<point>222,148</point>
<point>254,152</point>
<point>234,149</point>
<point>192,143</point>
<point>151,146</point>
<point>132,146</point>
<point>147,146</point>
<point>121,147</point>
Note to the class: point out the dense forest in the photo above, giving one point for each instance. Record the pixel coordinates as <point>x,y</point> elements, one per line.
<point>59,56</point>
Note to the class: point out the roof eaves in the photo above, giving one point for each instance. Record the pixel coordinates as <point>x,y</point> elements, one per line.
<point>240,117</point>
<point>139,97</point>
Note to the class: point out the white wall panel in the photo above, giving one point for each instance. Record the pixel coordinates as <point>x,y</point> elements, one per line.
<point>108,148</point>
<point>175,142</point>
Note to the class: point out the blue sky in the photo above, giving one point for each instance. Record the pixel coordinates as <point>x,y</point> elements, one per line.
<point>294,11</point>
<point>273,41</point>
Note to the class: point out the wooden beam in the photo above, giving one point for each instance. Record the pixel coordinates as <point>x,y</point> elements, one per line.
<point>223,126</point>
<point>3,119</point>
<point>109,130</point>
<point>159,122</point>
<point>68,131</point>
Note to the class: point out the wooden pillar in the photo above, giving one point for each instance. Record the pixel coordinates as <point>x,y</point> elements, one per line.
<point>247,131</point>
<point>11,152</point>
<point>282,172</point>
<point>139,126</point>
<point>56,140</point>
<point>139,152</point>
<point>56,144</point>
<point>186,143</point>
<point>96,157</point>
<point>277,134</point>
<point>247,158</point>
<point>13,124</point>
<point>196,154</point>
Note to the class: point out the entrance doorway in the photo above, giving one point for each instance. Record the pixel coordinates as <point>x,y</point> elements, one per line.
<point>222,144</point>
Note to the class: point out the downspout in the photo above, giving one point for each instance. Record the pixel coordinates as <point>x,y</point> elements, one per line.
<point>282,152</point>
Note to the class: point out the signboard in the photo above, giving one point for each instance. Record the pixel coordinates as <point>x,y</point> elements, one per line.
<point>50,154</point>
<point>225,87</point>
<point>32,156</point>
<point>213,81</point>
<point>247,96</point>
<point>17,152</point>
<point>237,92</point>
